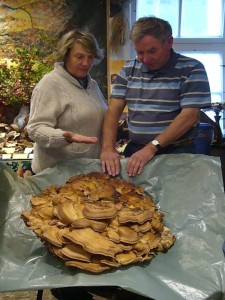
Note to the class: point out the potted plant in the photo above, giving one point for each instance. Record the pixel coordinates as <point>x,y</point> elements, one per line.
<point>18,76</point>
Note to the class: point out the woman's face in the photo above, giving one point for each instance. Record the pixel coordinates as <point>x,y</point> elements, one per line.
<point>79,61</point>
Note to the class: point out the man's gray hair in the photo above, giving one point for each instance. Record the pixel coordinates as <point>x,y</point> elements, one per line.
<point>158,28</point>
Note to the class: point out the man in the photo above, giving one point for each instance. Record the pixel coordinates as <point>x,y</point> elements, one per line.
<point>164,92</point>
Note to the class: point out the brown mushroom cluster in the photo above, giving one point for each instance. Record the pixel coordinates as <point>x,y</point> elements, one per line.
<point>11,136</point>
<point>95,222</point>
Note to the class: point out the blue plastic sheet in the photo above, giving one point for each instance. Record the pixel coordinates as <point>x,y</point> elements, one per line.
<point>187,188</point>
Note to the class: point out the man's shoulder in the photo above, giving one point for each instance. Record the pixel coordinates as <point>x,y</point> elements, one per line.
<point>186,61</point>
<point>131,67</point>
<point>132,63</point>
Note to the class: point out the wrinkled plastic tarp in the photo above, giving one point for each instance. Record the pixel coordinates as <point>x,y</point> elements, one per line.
<point>187,188</point>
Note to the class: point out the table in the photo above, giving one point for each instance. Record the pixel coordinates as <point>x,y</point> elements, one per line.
<point>188,188</point>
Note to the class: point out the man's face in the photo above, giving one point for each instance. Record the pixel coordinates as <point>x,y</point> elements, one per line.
<point>153,52</point>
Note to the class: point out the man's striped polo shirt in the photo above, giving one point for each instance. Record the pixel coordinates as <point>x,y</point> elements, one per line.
<point>154,99</point>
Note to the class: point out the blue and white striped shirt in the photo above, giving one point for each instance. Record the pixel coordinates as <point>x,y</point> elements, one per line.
<point>154,99</point>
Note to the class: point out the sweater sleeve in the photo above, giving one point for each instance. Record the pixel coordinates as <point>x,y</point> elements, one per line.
<point>46,107</point>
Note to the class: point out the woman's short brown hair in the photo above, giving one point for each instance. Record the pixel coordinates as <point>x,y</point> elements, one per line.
<point>86,39</point>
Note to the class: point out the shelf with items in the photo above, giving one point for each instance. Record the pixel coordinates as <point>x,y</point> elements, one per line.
<point>14,140</point>
<point>16,149</point>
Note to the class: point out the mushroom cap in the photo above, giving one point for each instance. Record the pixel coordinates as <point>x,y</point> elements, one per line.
<point>95,222</point>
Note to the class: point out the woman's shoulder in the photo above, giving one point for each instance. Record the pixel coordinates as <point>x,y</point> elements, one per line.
<point>54,77</point>
<point>47,80</point>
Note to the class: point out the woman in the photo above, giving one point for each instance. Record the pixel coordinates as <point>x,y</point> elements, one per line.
<point>67,106</point>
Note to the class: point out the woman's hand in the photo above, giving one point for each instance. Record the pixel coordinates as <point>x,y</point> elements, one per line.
<point>71,137</point>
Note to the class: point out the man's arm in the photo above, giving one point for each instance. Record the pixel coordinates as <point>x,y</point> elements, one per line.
<point>110,158</point>
<point>179,126</point>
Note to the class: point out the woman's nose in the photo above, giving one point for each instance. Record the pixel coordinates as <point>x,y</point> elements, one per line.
<point>87,62</point>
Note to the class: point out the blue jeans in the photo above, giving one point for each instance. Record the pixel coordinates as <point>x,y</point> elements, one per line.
<point>171,149</point>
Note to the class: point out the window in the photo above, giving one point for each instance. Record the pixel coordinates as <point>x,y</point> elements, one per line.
<point>204,21</point>
<point>198,31</point>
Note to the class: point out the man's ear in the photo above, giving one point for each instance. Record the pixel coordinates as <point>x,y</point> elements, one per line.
<point>170,41</point>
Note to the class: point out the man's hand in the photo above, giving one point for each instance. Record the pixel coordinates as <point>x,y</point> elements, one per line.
<point>110,162</point>
<point>71,137</point>
<point>139,159</point>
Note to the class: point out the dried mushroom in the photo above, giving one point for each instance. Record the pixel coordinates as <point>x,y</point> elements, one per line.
<point>14,137</point>
<point>95,222</point>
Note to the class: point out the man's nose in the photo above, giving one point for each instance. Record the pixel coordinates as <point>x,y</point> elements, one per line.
<point>145,58</point>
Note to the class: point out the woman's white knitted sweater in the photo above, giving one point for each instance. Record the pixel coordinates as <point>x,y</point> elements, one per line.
<point>60,104</point>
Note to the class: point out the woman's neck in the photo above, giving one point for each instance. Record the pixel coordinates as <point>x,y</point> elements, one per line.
<point>83,81</point>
